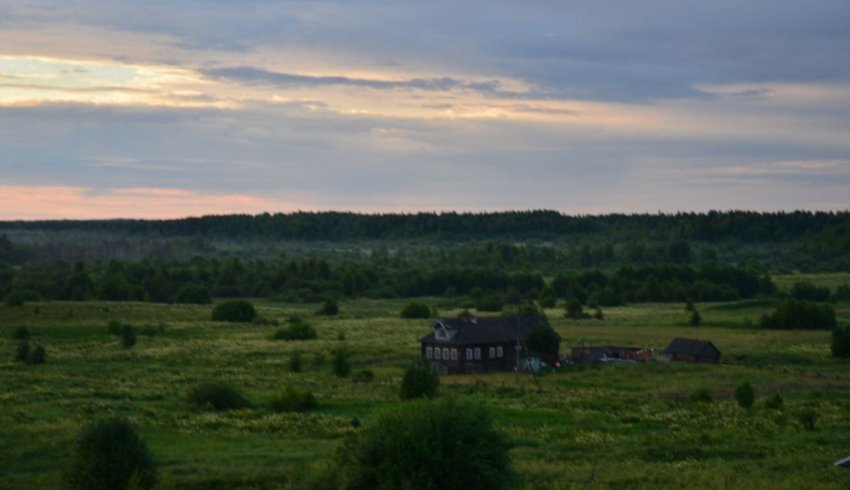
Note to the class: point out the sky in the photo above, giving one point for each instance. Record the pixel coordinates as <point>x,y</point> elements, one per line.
<point>165,109</point>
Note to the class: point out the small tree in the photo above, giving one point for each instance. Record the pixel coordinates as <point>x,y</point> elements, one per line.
<point>840,346</point>
<point>433,444</point>
<point>745,395</point>
<point>237,310</point>
<point>295,362</point>
<point>419,381</point>
<point>696,319</point>
<point>128,336</point>
<point>543,338</point>
<point>416,309</point>
<point>107,455</point>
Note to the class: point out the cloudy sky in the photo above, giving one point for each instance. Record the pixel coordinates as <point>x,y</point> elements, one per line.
<point>173,108</point>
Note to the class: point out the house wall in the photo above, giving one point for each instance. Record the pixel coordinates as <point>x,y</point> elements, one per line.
<point>469,364</point>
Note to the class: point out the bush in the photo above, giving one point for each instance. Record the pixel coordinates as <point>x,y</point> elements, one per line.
<point>573,309</point>
<point>805,290</point>
<point>107,455</point>
<point>774,402</point>
<point>745,395</point>
<point>193,294</point>
<point>598,314</point>
<point>114,327</point>
<point>416,309</point>
<point>329,308</point>
<point>363,376</point>
<point>22,353</point>
<point>840,345</point>
<point>295,362</point>
<point>128,336</point>
<point>444,444</point>
<point>294,400</point>
<point>796,314</point>
<point>38,355</point>
<point>236,310</point>
<point>217,395</point>
<point>807,417</point>
<point>341,365</point>
<point>20,333</point>
<point>492,302</point>
<point>419,381</point>
<point>298,329</point>
<point>14,299</point>
<point>702,395</point>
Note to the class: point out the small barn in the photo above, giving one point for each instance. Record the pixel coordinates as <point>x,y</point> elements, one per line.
<point>692,350</point>
<point>472,345</point>
<point>609,354</point>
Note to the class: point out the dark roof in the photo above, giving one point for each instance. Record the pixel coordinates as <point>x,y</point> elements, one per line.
<point>484,330</point>
<point>692,347</point>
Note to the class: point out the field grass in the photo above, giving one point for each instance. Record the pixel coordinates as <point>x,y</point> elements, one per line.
<point>624,426</point>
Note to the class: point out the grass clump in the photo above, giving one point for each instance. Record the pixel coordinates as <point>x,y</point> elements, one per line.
<point>109,455</point>
<point>341,364</point>
<point>216,395</point>
<point>292,399</point>
<point>774,402</point>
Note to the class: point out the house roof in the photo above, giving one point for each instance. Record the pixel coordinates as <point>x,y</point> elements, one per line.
<point>691,347</point>
<point>474,330</point>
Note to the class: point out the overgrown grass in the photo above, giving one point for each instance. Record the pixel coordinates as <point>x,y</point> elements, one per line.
<point>605,426</point>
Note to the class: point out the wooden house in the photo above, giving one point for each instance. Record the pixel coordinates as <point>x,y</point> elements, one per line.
<point>472,345</point>
<point>692,350</point>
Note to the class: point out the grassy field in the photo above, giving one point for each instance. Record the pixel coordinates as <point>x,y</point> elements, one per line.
<point>625,426</point>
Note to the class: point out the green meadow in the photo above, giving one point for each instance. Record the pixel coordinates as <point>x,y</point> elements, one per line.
<point>607,426</point>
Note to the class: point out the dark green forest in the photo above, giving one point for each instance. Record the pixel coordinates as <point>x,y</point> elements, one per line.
<point>487,258</point>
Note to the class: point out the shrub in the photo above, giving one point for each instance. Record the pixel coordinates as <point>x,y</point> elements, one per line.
<point>14,299</point>
<point>416,309</point>
<point>329,308</point>
<point>22,353</point>
<point>20,333</point>
<point>745,395</point>
<point>444,444</point>
<point>774,402</point>
<point>363,376</point>
<point>294,400</point>
<point>491,302</point>
<point>598,314</point>
<point>573,309</point>
<point>38,355</point>
<point>341,366</point>
<point>236,310</point>
<point>805,290</point>
<point>702,395</point>
<point>295,362</point>
<point>796,314</point>
<point>807,417</point>
<point>840,345</point>
<point>298,329</point>
<point>128,336</point>
<point>219,396</point>
<point>114,327</point>
<point>193,294</point>
<point>107,455</point>
<point>419,381</point>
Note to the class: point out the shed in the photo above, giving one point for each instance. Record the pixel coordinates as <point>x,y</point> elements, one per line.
<point>692,350</point>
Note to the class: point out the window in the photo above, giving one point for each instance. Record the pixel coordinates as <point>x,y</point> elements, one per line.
<point>429,352</point>
<point>468,354</point>
<point>477,353</point>
<point>454,354</point>
<point>492,352</point>
<point>446,353</point>
<point>499,351</point>
<point>437,353</point>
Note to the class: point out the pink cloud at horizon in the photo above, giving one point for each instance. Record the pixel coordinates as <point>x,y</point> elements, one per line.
<point>62,202</point>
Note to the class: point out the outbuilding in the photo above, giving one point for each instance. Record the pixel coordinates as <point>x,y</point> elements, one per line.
<point>692,350</point>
